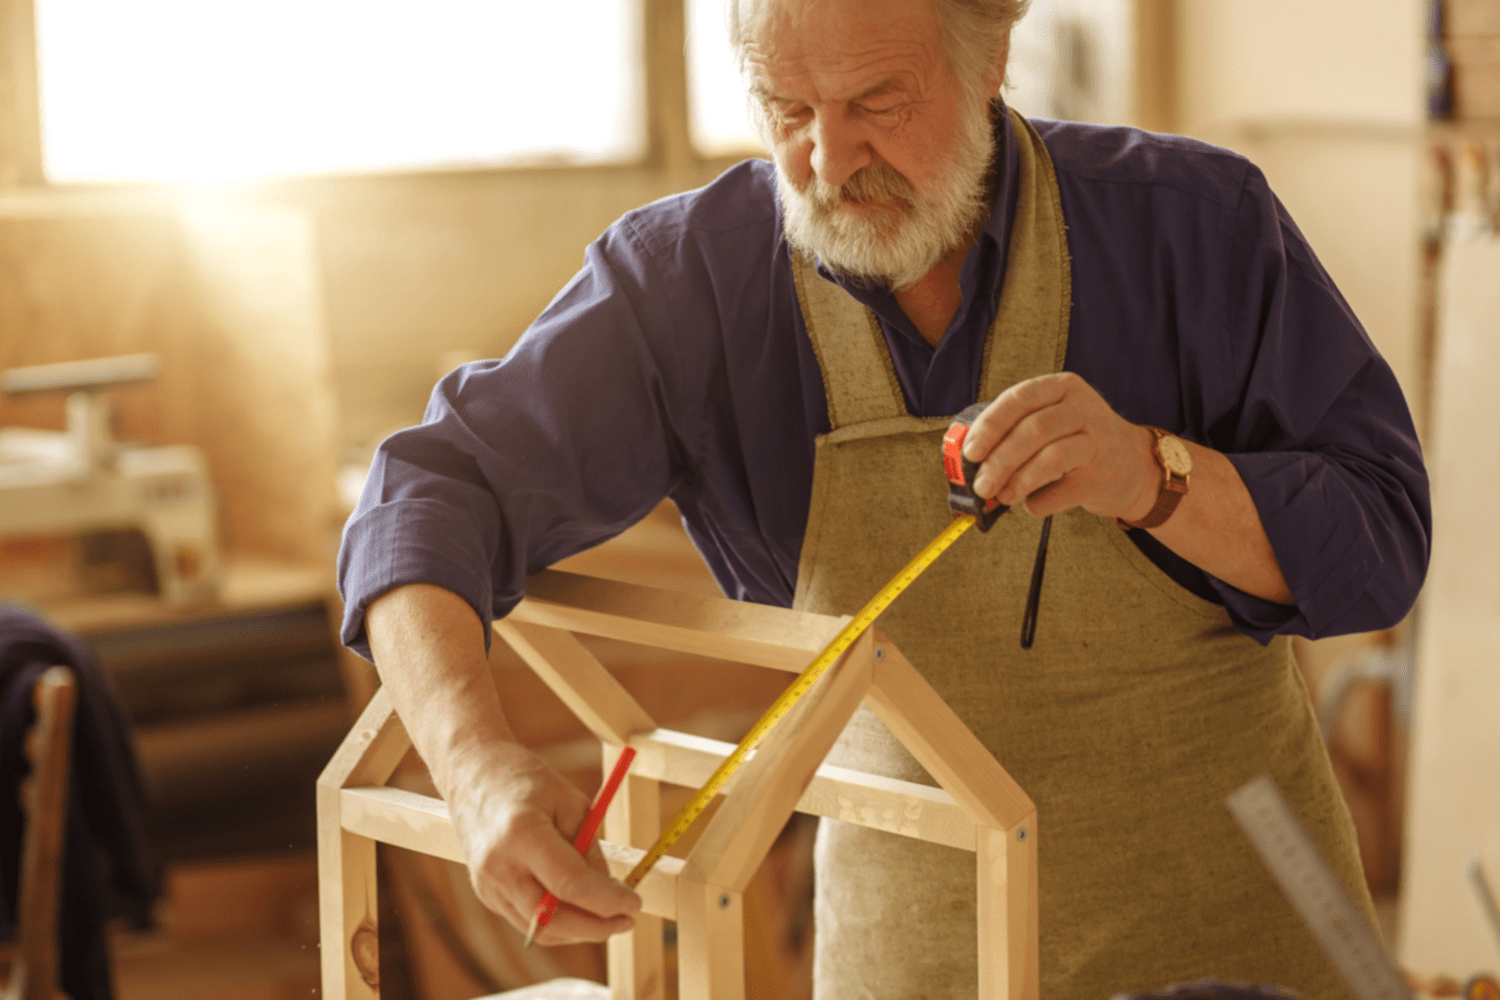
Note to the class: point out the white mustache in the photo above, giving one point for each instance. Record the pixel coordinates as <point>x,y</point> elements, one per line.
<point>874,183</point>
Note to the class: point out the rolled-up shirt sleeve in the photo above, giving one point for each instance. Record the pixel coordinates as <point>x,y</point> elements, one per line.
<point>1322,437</point>
<point>524,461</point>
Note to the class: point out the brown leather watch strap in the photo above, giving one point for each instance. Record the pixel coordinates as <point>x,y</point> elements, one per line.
<point>1173,488</point>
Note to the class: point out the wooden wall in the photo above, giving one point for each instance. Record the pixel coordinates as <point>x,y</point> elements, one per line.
<point>229,295</point>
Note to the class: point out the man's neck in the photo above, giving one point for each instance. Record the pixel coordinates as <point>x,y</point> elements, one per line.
<point>933,301</point>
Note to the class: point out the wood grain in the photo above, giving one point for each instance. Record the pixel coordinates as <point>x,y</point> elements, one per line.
<point>688,623</point>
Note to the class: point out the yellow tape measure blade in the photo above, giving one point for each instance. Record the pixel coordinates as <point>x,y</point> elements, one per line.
<point>794,692</point>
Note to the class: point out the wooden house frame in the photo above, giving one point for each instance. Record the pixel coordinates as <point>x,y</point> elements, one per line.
<point>978,807</point>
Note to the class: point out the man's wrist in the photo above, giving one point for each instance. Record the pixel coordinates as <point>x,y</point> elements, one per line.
<point>1149,480</point>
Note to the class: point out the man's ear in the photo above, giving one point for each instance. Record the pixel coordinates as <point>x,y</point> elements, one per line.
<point>993,82</point>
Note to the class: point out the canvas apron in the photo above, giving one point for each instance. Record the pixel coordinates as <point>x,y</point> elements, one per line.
<point>1136,711</point>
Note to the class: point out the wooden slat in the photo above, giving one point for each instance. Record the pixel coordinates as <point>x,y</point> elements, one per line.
<point>942,744</point>
<point>421,823</point>
<point>347,904</point>
<point>404,819</point>
<point>1009,946</point>
<point>710,942</point>
<point>687,623</point>
<point>637,960</point>
<point>658,890</point>
<point>901,807</point>
<point>574,675</point>
<point>33,972</point>
<point>347,887</point>
<point>753,815</point>
<point>371,751</point>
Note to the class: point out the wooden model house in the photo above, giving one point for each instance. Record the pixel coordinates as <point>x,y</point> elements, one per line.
<point>978,806</point>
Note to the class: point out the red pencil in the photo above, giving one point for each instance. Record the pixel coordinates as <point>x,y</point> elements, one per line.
<point>548,906</point>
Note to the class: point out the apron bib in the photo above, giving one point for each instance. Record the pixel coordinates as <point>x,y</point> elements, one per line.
<point>1138,709</point>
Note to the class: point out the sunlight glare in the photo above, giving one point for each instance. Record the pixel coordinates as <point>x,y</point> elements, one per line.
<point>183,90</point>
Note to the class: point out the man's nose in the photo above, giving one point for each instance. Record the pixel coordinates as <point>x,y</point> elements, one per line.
<point>838,149</point>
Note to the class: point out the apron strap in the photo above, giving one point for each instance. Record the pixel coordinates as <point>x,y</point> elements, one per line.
<point>858,376</point>
<point>1030,334</point>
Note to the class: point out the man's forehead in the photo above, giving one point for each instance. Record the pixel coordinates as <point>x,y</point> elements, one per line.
<point>848,46</point>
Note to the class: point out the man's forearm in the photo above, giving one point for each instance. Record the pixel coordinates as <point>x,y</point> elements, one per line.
<point>508,808</point>
<point>429,649</point>
<point>1217,528</point>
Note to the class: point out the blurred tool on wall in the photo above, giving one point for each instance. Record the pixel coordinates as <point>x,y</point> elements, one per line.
<point>82,481</point>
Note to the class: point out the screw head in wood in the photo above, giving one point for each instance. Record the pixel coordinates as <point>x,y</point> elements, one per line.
<point>1021,834</point>
<point>723,900</point>
<point>879,652</point>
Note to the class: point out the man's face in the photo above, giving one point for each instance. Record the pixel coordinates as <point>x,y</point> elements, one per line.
<point>881,153</point>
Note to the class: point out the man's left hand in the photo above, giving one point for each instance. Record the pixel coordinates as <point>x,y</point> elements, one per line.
<point>1053,443</point>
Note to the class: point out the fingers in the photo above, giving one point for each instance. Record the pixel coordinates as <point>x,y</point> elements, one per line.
<point>1054,443</point>
<point>519,822</point>
<point>571,878</point>
<point>592,905</point>
<point>1054,479</point>
<point>1010,407</point>
<point>1044,445</point>
<point>569,926</point>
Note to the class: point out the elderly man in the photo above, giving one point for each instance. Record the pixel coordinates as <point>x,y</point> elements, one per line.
<point>1221,458</point>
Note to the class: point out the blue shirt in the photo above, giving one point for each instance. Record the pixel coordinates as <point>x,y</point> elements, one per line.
<point>676,364</point>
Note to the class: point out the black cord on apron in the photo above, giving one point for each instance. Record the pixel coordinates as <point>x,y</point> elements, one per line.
<point>1034,595</point>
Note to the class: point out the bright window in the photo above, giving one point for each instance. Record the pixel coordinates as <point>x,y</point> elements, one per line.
<point>223,90</point>
<point>716,94</point>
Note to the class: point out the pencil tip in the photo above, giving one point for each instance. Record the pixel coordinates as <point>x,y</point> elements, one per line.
<point>531,931</point>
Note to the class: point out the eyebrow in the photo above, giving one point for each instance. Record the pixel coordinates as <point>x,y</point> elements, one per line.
<point>886,86</point>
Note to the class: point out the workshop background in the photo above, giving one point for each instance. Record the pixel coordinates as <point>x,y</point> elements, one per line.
<point>306,211</point>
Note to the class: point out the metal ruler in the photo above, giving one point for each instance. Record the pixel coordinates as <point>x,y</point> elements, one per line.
<point>1316,893</point>
<point>1474,872</point>
<point>794,693</point>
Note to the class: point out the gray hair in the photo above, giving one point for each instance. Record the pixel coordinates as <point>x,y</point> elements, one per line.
<point>974,32</point>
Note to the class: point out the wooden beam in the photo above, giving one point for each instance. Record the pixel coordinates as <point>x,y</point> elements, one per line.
<point>637,961</point>
<point>574,675</point>
<point>44,803</point>
<point>421,823</point>
<point>20,97</point>
<point>658,890</point>
<point>688,623</point>
<point>890,804</point>
<point>1009,945</point>
<point>942,744</point>
<point>372,750</point>
<point>348,925</point>
<point>403,819</point>
<point>710,942</point>
<point>752,816</point>
<point>347,888</point>
<point>664,40</point>
<point>1156,65</point>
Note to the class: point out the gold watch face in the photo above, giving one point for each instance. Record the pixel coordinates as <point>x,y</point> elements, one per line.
<point>1174,455</point>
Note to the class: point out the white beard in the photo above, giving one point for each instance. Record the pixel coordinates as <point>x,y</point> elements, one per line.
<point>905,238</point>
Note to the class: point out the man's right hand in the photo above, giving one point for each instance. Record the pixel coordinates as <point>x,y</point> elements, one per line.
<point>515,817</point>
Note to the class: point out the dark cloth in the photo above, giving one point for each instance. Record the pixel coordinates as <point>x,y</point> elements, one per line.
<point>106,802</point>
<point>676,364</point>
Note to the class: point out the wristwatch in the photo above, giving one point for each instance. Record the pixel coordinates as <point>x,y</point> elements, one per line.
<point>1176,464</point>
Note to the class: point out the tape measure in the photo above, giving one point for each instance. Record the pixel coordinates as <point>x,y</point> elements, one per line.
<point>794,693</point>
<point>1316,893</point>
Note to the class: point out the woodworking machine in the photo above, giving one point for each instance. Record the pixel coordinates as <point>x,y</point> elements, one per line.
<point>82,481</point>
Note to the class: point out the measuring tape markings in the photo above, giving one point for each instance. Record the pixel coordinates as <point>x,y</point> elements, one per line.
<point>799,687</point>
